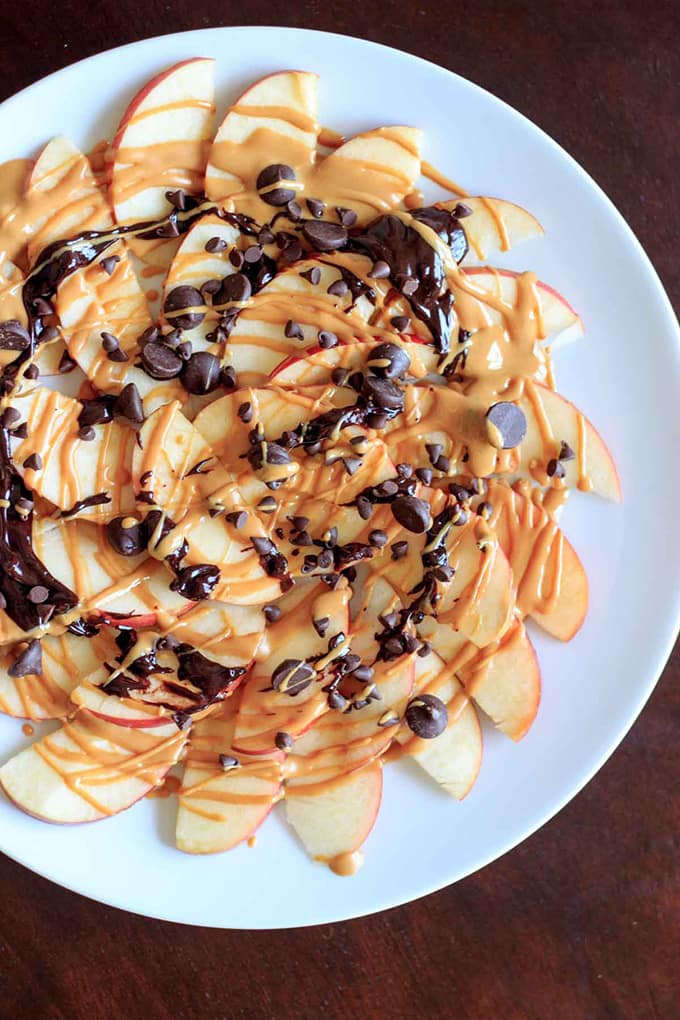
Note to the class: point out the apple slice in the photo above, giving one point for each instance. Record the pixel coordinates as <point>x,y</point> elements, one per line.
<point>333,820</point>
<point>274,121</point>
<point>162,145</point>
<point>70,470</point>
<point>552,586</point>
<point>220,805</point>
<point>454,757</point>
<point>65,197</point>
<point>92,301</point>
<point>495,225</point>
<point>503,679</point>
<point>90,769</point>
<point>265,712</point>
<point>66,658</point>
<point>315,365</point>
<point>193,266</point>
<point>371,173</point>
<point>15,214</point>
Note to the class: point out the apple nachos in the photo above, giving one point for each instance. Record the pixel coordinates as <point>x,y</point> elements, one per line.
<point>307,495</point>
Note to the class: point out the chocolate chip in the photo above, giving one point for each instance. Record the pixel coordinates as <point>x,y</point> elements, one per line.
<point>364,674</point>
<point>109,264</point>
<point>485,510</point>
<point>316,207</point>
<point>321,625</point>
<point>338,288</point>
<point>292,251</point>
<point>196,582</point>
<point>86,433</point>
<point>336,701</point>
<point>292,676</point>
<point>42,307</point>
<point>201,373</point>
<point>294,210</point>
<point>324,236</point>
<point>161,362</point>
<point>400,322</point>
<point>265,235</point>
<point>283,741</point>
<point>555,469</point>
<point>566,452</point>
<point>442,463</point>
<point>267,505</point>
<point>293,330</point>
<point>377,538</point>
<point>424,475</point>
<point>10,416</point>
<point>325,559</point>
<point>29,662</point>
<point>236,258</point>
<point>424,650</point>
<point>237,518</point>
<point>38,594</point>
<point>263,546</point>
<point>128,404</point>
<point>327,339</point>
<point>461,211</point>
<point>506,425</point>
<point>379,271</point>
<point>364,507</point>
<point>339,376</point>
<point>183,309</point>
<point>313,275</point>
<point>32,372</point>
<point>126,536</point>
<point>389,361</point>
<point>272,613</point>
<point>227,762</point>
<point>399,550</point>
<point>177,199</point>
<point>118,355</point>
<point>13,336</point>
<point>185,349</point>
<point>215,244</point>
<point>49,333</point>
<point>412,513</point>
<point>245,412</point>
<point>273,174</point>
<point>253,254</point>
<point>34,462</point>
<point>434,451</point>
<point>347,217</point>
<point>66,364</point>
<point>383,394</point>
<point>352,464</point>
<point>427,716</point>
<point>109,342</point>
<point>387,488</point>
<point>208,289</point>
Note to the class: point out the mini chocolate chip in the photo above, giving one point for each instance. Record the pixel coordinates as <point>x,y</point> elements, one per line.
<point>267,505</point>
<point>427,716</point>
<point>283,741</point>
<point>253,253</point>
<point>506,425</point>
<point>34,462</point>
<point>227,762</point>
<point>485,510</point>
<point>442,463</point>
<point>324,236</point>
<point>412,513</point>
<point>459,492</point>
<point>32,372</point>
<point>118,355</point>
<point>462,210</point>
<point>228,377</point>
<point>208,289</point>
<point>293,330</point>
<point>292,251</point>
<point>263,546</point>
<point>434,451</point>
<point>347,217</point>
<point>379,270</point>
<point>272,613</point>
<point>66,364</point>
<point>109,342</point>
<point>185,349</point>
<point>237,518</point>
<point>424,475</point>
<point>377,538</point>
<point>364,507</point>
<point>29,662</point>
<point>400,322</point>
<point>177,199</point>
<point>425,649</point>
<point>376,420</point>
<point>316,207</point>
<point>183,308</point>
<point>399,550</point>
<point>128,404</point>
<point>387,488</point>
<point>294,210</point>
<point>555,469</point>
<point>38,594</point>
<point>389,361</point>
<point>352,464</point>
<point>321,625</point>
<point>245,412</point>
<point>215,244</point>
<point>201,373</point>
<point>273,174</point>
<point>336,701</point>
<point>265,235</point>
<point>566,452</point>
<point>86,433</point>
<point>160,362</point>
<point>236,258</point>
<point>327,339</point>
<point>10,416</point>
<point>313,275</point>
<point>109,264</point>
<point>338,288</point>
<point>340,376</point>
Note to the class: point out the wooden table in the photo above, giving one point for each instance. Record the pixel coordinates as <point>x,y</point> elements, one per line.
<point>576,924</point>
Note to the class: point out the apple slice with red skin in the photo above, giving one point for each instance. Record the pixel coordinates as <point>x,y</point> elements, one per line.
<point>315,366</point>
<point>495,225</point>
<point>66,658</point>
<point>277,117</point>
<point>194,265</point>
<point>90,768</point>
<point>162,145</point>
<point>503,679</point>
<point>334,819</point>
<point>263,713</point>
<point>91,301</point>
<point>371,173</point>
<point>65,195</point>
<point>454,757</point>
<point>221,806</point>
<point>71,469</point>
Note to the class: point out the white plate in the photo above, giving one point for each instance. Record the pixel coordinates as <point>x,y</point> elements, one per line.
<point>626,377</point>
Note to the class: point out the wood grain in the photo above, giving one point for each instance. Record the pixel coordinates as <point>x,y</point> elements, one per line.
<point>581,921</point>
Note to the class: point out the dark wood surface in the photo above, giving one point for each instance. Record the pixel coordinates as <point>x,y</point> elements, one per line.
<point>581,921</point>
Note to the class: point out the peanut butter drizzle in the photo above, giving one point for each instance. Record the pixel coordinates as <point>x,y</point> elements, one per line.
<point>447,183</point>
<point>346,864</point>
<point>27,730</point>
<point>169,788</point>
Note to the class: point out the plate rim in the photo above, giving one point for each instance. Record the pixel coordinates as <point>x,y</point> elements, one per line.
<point>661,654</point>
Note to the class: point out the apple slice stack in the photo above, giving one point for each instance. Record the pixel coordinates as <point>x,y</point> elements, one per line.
<point>292,526</point>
